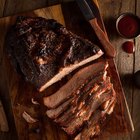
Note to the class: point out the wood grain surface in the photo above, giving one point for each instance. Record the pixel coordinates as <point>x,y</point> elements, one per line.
<point>10,7</point>
<point>127,64</point>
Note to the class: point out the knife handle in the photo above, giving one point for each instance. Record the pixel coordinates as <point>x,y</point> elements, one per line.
<point>109,49</point>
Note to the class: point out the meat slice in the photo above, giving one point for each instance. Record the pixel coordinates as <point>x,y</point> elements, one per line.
<point>85,113</point>
<point>77,81</point>
<point>85,134</point>
<point>76,108</point>
<point>54,113</point>
<point>112,101</point>
<point>91,127</point>
<point>74,102</point>
<point>45,51</point>
<point>87,92</point>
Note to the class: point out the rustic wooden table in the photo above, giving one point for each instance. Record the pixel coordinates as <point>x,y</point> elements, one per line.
<point>127,63</point>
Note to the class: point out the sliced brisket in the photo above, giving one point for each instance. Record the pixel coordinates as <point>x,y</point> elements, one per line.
<point>44,51</point>
<point>89,91</point>
<point>77,81</point>
<point>54,113</point>
<point>72,112</point>
<point>85,113</point>
<point>91,126</point>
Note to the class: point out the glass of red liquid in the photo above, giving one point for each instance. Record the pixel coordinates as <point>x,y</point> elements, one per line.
<point>128,25</point>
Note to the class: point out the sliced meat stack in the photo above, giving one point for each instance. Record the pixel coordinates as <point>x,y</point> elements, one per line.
<point>45,51</point>
<point>83,102</point>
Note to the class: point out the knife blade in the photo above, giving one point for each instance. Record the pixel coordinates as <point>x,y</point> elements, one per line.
<point>95,10</point>
<point>86,10</point>
<point>86,6</point>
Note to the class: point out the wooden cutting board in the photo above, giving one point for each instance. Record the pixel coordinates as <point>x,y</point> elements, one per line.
<point>21,92</point>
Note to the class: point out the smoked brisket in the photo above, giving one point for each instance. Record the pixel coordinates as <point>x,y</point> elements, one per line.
<point>45,51</point>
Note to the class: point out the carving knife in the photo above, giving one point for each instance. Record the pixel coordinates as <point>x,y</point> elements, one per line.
<point>87,7</point>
